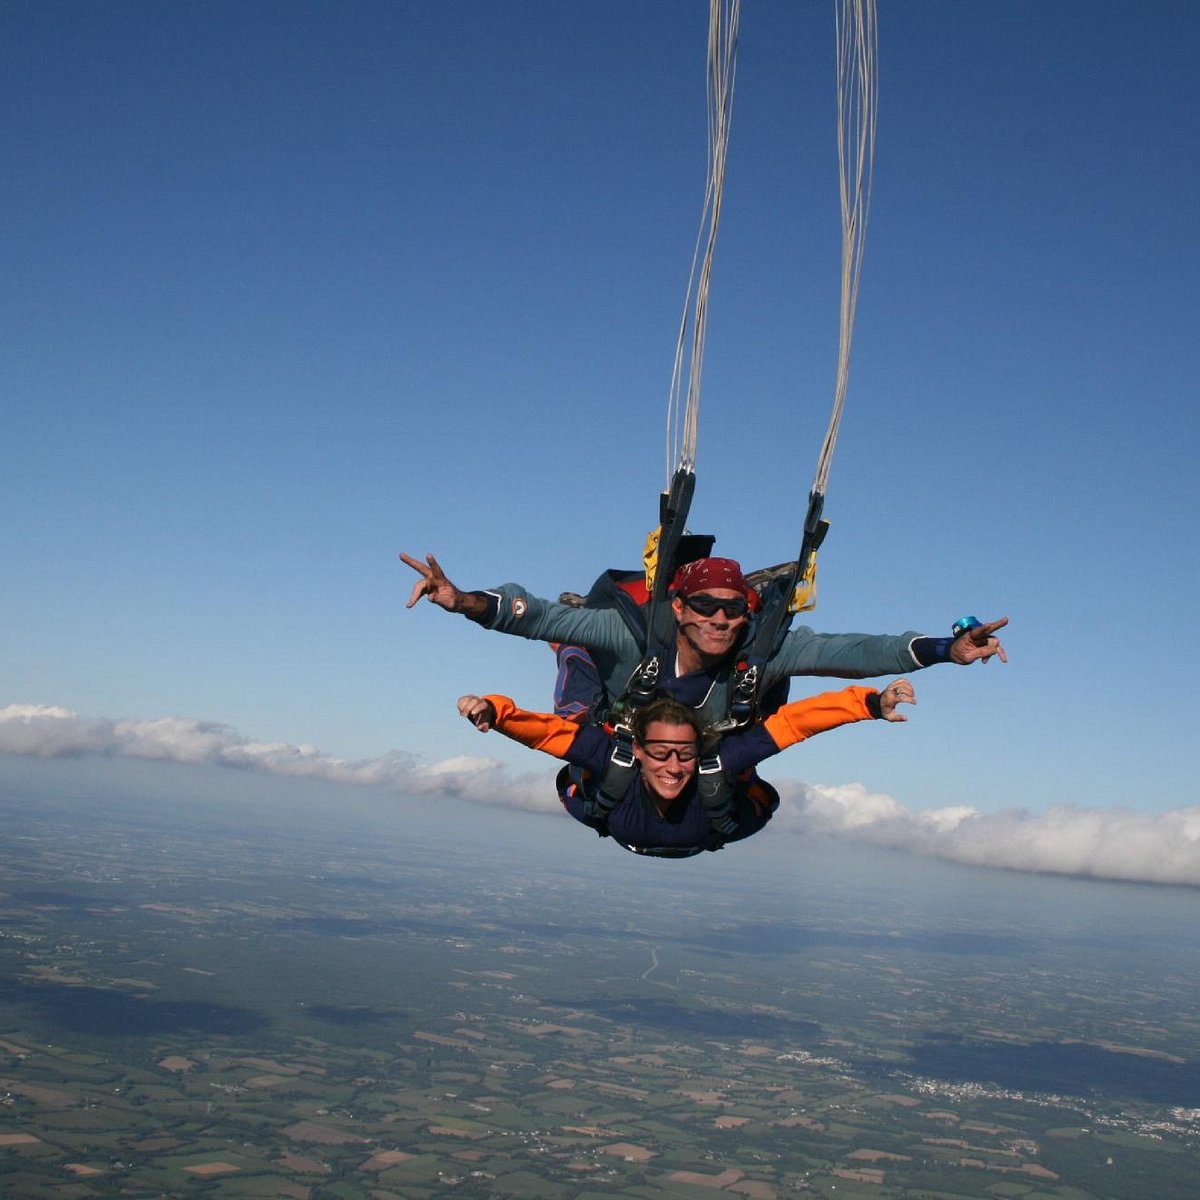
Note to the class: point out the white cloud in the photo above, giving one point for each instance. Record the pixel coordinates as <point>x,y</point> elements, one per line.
<point>1159,847</point>
<point>1108,844</point>
<point>53,732</point>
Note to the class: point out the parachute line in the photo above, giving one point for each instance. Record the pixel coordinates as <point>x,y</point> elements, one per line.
<point>858,106</point>
<point>683,416</point>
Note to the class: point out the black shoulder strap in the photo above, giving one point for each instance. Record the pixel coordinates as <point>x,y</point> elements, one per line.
<point>660,621</point>
<point>618,776</point>
<point>716,794</point>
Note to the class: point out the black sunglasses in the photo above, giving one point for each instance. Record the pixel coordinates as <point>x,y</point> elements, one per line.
<point>708,606</point>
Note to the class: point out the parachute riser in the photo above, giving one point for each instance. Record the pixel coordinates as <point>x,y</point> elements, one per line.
<point>804,585</point>
<point>674,506</point>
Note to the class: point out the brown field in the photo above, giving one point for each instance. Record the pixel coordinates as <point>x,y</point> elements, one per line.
<point>472,1135</point>
<point>754,1188</point>
<point>865,1155</point>
<point>722,1180</point>
<point>302,1165</point>
<point>384,1159</point>
<point>213,1168</point>
<point>440,1039</point>
<point>863,1175</point>
<point>629,1151</point>
<point>38,1094</point>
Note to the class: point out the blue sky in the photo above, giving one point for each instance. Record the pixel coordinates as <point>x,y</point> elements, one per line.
<point>288,288</point>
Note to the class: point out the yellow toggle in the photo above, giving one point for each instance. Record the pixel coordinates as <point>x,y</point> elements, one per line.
<point>804,598</point>
<point>650,557</point>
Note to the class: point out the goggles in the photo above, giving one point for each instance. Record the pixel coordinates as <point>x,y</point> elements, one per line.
<point>662,751</point>
<point>709,606</point>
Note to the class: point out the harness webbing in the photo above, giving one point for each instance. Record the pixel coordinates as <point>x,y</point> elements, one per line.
<point>716,794</point>
<point>667,851</point>
<point>660,621</point>
<point>619,774</point>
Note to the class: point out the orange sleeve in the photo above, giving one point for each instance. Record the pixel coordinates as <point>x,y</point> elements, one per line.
<point>795,722</point>
<point>539,731</point>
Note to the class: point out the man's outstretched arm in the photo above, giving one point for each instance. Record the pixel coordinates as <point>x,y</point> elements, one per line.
<point>509,608</point>
<point>862,655</point>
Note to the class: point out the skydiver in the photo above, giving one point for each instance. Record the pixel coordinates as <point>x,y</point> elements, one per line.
<point>711,603</point>
<point>660,811</point>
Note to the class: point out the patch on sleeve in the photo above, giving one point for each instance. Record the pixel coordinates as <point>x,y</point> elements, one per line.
<point>519,607</point>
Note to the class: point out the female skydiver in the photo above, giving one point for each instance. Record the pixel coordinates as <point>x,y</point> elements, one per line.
<point>660,810</point>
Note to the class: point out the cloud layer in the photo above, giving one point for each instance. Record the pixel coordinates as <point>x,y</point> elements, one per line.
<point>1069,840</point>
<point>50,732</point>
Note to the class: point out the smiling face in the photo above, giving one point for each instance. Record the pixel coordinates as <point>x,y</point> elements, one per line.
<point>667,754</point>
<point>704,640</point>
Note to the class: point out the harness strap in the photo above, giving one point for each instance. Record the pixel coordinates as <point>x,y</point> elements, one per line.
<point>716,794</point>
<point>618,776</point>
<point>660,623</point>
<point>667,851</point>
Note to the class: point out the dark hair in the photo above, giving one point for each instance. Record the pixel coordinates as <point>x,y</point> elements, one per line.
<point>669,712</point>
